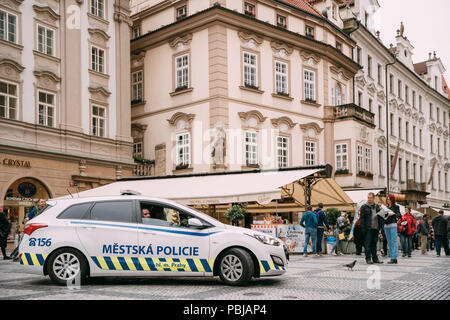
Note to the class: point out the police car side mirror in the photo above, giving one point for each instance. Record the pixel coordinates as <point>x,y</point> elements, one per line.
<point>196,223</point>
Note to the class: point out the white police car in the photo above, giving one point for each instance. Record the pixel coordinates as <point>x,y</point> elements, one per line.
<point>131,235</point>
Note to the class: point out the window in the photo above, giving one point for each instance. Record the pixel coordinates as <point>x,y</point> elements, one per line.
<point>439,180</point>
<point>165,216</point>
<point>281,77</point>
<point>366,19</point>
<point>360,98</point>
<point>420,103</point>
<point>414,99</point>
<point>400,128</point>
<point>420,174</point>
<point>431,111</point>
<point>334,11</point>
<point>182,72</point>
<point>310,85</point>
<point>309,32</point>
<point>46,109</point>
<point>391,124</point>
<point>380,117</point>
<point>438,116</point>
<point>117,211</point>
<point>358,55</point>
<point>281,21</point>
<point>369,66</point>
<point>8,26</point>
<point>341,156</point>
<point>310,153</point>
<point>439,146</point>
<point>98,8</point>
<point>98,121</point>
<point>380,74</point>
<point>249,9</point>
<point>380,162</point>
<point>407,94</point>
<point>370,105</point>
<point>445,149</point>
<point>98,59</point>
<point>414,135</point>
<point>400,175</point>
<point>339,46</point>
<point>420,138</point>
<point>414,172</point>
<point>77,211</point>
<point>407,169</point>
<point>137,149</point>
<point>45,40</point>
<point>8,100</point>
<point>181,12</point>
<point>282,152</point>
<point>337,96</point>
<point>251,148</point>
<point>435,82</point>
<point>368,153</point>
<point>446,181</point>
<point>431,143</point>
<point>183,150</point>
<point>360,158</point>
<point>136,32</point>
<point>407,131</point>
<point>444,118</point>
<point>399,93</point>
<point>250,70</point>
<point>136,86</point>
<point>391,84</point>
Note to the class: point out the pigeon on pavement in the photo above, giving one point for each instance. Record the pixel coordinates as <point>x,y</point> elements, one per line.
<point>350,265</point>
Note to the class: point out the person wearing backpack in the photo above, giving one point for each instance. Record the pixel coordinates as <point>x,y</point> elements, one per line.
<point>341,223</point>
<point>322,222</point>
<point>406,228</point>
<point>309,222</point>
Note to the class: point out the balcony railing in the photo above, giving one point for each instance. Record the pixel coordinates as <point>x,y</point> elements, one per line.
<point>144,169</point>
<point>412,185</point>
<point>351,110</point>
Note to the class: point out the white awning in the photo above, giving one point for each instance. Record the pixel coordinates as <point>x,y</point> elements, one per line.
<point>446,212</point>
<point>361,195</point>
<point>262,187</point>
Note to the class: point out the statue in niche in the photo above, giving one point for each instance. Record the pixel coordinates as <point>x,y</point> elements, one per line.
<point>218,145</point>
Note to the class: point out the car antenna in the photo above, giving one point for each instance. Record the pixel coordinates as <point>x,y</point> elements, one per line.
<point>69,192</point>
<point>78,193</point>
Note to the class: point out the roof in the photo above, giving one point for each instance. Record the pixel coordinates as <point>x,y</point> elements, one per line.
<point>304,5</point>
<point>421,67</point>
<point>445,87</point>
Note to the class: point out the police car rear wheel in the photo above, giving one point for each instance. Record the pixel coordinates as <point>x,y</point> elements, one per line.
<point>236,267</point>
<point>65,265</point>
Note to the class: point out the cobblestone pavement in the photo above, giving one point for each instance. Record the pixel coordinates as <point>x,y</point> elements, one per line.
<point>420,277</point>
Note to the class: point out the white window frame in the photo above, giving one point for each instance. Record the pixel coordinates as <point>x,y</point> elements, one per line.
<point>47,43</point>
<point>368,159</point>
<point>310,153</point>
<point>6,27</point>
<point>136,31</point>
<point>250,8</point>
<point>281,77</point>
<point>137,83</point>
<point>309,80</point>
<point>309,31</point>
<point>8,97</point>
<point>282,147</point>
<point>182,71</point>
<point>98,58</point>
<point>281,21</point>
<point>183,149</point>
<point>137,149</point>
<point>251,147</point>
<point>181,12</point>
<point>46,107</point>
<point>250,67</point>
<point>96,10</point>
<point>341,156</point>
<point>360,158</point>
<point>98,121</point>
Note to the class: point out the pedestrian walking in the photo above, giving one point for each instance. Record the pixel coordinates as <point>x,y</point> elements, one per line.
<point>341,224</point>
<point>322,223</point>
<point>390,227</point>
<point>407,228</point>
<point>370,224</point>
<point>430,237</point>
<point>440,233</point>
<point>309,222</point>
<point>37,209</point>
<point>423,230</point>
<point>5,227</point>
<point>358,237</point>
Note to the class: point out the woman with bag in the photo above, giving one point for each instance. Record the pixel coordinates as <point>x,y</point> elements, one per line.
<point>390,227</point>
<point>341,223</point>
<point>406,228</point>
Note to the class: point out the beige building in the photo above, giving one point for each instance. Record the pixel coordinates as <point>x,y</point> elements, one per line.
<point>64,98</point>
<point>237,85</point>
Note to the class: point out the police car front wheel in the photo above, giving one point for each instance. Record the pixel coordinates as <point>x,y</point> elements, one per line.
<point>236,267</point>
<point>67,266</point>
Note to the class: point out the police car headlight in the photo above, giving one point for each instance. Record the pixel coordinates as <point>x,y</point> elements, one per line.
<point>265,239</point>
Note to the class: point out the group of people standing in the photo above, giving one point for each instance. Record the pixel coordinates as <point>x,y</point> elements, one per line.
<point>371,221</point>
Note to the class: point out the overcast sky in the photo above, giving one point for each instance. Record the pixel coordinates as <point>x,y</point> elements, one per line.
<point>427,26</point>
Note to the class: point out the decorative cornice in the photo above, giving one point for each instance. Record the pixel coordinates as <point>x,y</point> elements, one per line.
<point>281,49</point>
<point>255,113</point>
<point>13,64</point>
<point>307,55</point>
<point>382,142</point>
<point>49,74</point>
<point>100,90</point>
<point>103,34</point>
<point>311,125</point>
<point>381,95</point>
<point>277,121</point>
<point>361,80</point>
<point>181,115</point>
<point>371,89</point>
<point>393,103</point>
<point>46,10</point>
<point>432,127</point>
<point>341,72</point>
<point>248,37</point>
<point>184,40</point>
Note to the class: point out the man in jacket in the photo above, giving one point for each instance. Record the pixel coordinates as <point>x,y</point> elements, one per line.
<point>309,222</point>
<point>370,226</point>
<point>423,229</point>
<point>321,220</point>
<point>440,233</point>
<point>4,231</point>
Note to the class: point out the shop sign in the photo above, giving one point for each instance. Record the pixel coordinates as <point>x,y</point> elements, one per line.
<point>293,236</point>
<point>21,199</point>
<point>16,163</point>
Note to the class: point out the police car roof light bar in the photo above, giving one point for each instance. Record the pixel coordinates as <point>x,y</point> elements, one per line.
<point>129,193</point>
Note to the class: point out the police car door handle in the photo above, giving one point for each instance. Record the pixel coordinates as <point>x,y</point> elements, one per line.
<point>89,227</point>
<point>148,232</point>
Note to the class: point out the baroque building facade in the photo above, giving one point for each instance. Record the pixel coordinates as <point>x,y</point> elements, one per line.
<point>64,98</point>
